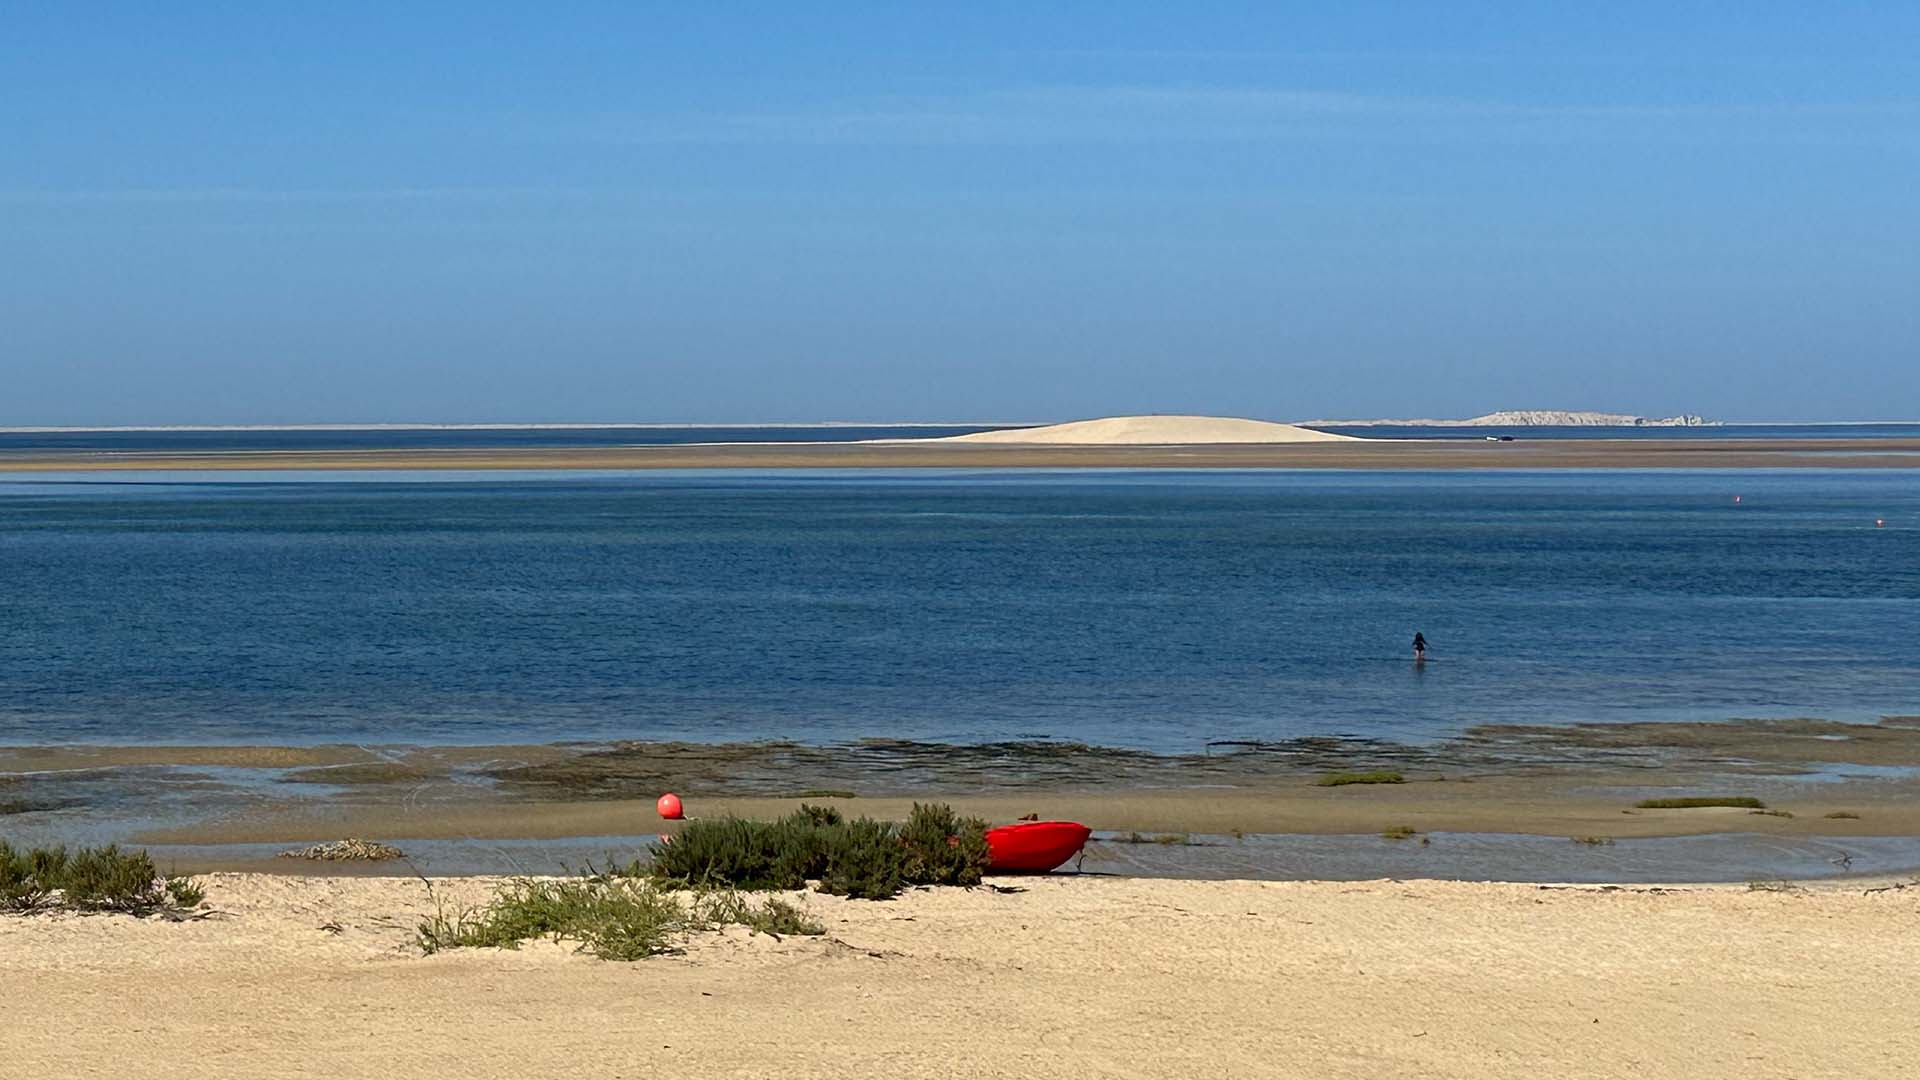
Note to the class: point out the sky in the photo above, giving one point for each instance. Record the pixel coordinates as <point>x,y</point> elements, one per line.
<point>273,213</point>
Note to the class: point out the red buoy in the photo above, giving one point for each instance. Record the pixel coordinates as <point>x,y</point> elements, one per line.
<point>669,806</point>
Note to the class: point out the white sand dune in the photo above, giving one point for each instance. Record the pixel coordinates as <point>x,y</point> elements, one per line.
<point>1154,431</point>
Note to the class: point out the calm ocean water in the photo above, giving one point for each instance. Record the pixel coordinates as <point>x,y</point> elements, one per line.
<point>189,441</point>
<point>1159,610</point>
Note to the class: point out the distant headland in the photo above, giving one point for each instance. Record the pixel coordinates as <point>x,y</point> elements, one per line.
<point>1538,418</point>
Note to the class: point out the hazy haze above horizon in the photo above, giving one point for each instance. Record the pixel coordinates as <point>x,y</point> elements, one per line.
<point>618,212</point>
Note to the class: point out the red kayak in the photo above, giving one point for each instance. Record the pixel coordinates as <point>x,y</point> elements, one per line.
<point>1034,847</point>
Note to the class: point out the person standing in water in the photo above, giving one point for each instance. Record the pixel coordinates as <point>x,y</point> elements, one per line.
<point>1419,647</point>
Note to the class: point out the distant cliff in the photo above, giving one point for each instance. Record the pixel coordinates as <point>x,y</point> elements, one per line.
<point>1553,418</point>
<point>1540,418</point>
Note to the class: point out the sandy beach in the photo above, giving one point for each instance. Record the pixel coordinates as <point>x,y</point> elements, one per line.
<point>1067,977</point>
<point>1636,453</point>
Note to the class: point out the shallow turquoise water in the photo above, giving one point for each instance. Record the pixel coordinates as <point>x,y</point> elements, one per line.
<point>1157,609</point>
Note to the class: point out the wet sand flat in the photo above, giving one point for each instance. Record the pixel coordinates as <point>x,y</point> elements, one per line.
<point>1817,778</point>
<point>1520,807</point>
<point>1071,977</point>
<point>1636,453</point>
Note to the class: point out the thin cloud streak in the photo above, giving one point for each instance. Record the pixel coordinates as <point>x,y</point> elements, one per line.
<point>40,196</point>
<point>1132,114</point>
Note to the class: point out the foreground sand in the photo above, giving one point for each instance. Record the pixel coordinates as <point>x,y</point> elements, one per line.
<point>1076,977</point>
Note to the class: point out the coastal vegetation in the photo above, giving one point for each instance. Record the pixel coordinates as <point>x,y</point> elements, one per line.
<point>862,858</point>
<point>1342,779</point>
<point>1691,802</point>
<point>613,914</point>
<point>1843,815</point>
<point>1400,832</point>
<point>696,879</point>
<point>91,880</point>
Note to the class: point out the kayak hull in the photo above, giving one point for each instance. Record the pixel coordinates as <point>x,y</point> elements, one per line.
<point>1034,847</point>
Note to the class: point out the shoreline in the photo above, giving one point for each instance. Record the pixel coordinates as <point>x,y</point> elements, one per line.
<point>1515,782</point>
<point>1384,454</point>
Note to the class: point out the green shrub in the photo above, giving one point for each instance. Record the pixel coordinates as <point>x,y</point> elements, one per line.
<point>865,861</point>
<point>107,879</point>
<point>1342,779</point>
<point>861,858</point>
<point>1743,802</point>
<point>745,854</point>
<point>28,878</point>
<point>90,879</point>
<point>942,847</point>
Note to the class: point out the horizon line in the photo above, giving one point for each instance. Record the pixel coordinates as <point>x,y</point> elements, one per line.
<point>54,429</point>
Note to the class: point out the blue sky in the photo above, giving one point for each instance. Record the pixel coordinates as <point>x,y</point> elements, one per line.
<point>247,213</point>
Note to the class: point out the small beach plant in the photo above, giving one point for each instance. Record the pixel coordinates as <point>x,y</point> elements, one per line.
<point>1691,802</point>
<point>613,915</point>
<point>1343,779</point>
<point>820,815</point>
